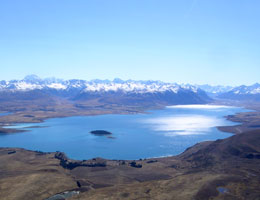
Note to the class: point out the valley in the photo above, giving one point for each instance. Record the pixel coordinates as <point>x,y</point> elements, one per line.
<point>222,169</point>
<point>129,100</point>
<point>34,100</point>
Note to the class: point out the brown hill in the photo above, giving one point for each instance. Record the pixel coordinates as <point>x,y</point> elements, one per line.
<point>224,169</point>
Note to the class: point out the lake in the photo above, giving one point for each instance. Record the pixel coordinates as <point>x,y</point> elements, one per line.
<point>158,133</point>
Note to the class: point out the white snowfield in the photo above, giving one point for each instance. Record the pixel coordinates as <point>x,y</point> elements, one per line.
<point>243,90</point>
<point>131,87</point>
<point>256,91</point>
<point>57,86</point>
<point>215,89</point>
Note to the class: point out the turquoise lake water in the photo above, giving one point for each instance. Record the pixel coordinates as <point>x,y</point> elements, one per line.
<point>159,133</point>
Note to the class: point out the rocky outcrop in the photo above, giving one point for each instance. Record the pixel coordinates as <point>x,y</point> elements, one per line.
<point>134,164</point>
<point>70,164</point>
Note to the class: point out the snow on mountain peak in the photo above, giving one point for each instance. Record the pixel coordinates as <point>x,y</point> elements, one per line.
<point>33,82</point>
<point>22,85</point>
<point>242,90</point>
<point>32,78</point>
<point>256,91</point>
<point>131,86</point>
<point>57,86</point>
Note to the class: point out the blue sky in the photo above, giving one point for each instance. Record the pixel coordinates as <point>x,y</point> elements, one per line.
<point>184,41</point>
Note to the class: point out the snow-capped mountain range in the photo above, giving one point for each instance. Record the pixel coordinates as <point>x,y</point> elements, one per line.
<point>218,89</point>
<point>131,90</point>
<point>243,89</point>
<point>240,90</point>
<point>33,82</point>
<point>248,93</point>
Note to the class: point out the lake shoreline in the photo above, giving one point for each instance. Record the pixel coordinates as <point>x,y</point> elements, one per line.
<point>109,157</point>
<point>13,119</point>
<point>211,164</point>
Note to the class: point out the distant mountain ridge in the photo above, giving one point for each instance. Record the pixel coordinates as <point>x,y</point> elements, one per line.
<point>214,90</point>
<point>33,82</point>
<point>246,93</point>
<point>111,92</point>
<point>239,93</point>
<point>120,91</point>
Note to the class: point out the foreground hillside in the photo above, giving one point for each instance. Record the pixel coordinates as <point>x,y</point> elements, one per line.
<point>224,169</point>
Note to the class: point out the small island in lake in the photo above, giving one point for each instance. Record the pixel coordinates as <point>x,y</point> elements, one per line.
<point>100,133</point>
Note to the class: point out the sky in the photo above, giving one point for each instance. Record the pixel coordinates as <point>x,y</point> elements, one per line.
<point>183,41</point>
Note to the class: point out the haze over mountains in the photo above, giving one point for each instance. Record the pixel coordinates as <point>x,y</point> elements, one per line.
<point>122,92</point>
<point>244,93</point>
